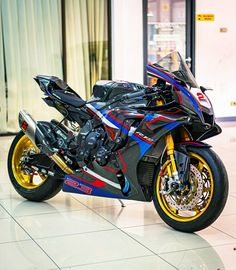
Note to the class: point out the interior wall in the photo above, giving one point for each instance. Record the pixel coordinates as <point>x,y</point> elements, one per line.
<point>127,40</point>
<point>216,54</point>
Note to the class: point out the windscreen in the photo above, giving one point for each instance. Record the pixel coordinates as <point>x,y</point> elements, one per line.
<point>175,64</point>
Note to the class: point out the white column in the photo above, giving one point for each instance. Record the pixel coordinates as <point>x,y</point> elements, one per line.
<point>127,40</point>
<point>216,55</point>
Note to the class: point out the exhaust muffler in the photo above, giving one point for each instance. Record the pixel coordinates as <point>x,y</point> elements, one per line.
<point>39,135</point>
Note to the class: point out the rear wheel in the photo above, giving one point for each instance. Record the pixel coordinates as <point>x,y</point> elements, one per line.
<point>202,200</point>
<point>34,187</point>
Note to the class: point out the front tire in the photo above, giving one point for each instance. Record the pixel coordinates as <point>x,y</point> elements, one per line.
<point>200,205</point>
<point>39,189</point>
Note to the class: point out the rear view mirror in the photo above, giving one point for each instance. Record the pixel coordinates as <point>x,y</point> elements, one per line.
<point>205,88</point>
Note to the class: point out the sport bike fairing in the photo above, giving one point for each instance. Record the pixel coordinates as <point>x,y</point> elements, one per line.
<point>102,180</point>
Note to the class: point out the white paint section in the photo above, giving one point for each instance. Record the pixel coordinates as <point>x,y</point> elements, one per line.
<point>202,99</point>
<point>109,182</point>
<point>216,54</point>
<point>127,40</point>
<point>100,115</point>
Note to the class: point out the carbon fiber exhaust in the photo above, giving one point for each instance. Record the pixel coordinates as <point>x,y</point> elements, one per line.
<point>39,136</point>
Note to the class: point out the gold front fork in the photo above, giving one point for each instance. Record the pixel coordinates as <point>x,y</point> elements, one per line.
<point>170,147</point>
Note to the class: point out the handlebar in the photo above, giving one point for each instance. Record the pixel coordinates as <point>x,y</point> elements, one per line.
<point>145,92</point>
<point>158,108</point>
<point>134,94</point>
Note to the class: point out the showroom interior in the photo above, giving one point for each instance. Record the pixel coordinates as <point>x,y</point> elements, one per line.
<point>82,42</point>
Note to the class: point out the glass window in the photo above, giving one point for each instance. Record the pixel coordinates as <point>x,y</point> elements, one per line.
<point>166,28</point>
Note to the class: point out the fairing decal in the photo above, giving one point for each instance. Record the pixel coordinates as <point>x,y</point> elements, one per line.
<point>101,116</point>
<point>76,185</point>
<point>92,174</point>
<point>96,183</point>
<point>156,72</point>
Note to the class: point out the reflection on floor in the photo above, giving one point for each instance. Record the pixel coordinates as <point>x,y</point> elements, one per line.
<point>80,232</point>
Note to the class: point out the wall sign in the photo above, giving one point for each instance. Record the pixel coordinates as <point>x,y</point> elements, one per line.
<point>206,17</point>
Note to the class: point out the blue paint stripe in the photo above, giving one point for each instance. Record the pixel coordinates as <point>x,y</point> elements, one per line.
<point>172,125</point>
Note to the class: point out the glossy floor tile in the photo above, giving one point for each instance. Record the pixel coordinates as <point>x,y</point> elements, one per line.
<point>141,263</point>
<point>3,213</point>
<point>131,215</point>
<point>93,247</point>
<point>226,224</point>
<point>161,239</point>
<point>212,258</point>
<point>90,233</point>
<point>24,255</point>
<point>56,224</point>
<point>20,207</point>
<point>98,202</point>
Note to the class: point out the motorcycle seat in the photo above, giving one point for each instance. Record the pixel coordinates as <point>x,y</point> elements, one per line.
<point>69,97</point>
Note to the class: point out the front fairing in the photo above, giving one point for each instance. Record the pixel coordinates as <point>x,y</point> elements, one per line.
<point>182,95</point>
<point>186,91</point>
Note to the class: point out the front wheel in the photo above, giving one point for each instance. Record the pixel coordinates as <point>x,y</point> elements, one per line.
<point>33,187</point>
<point>200,203</point>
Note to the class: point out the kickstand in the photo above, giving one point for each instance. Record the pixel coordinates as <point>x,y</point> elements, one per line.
<point>122,204</point>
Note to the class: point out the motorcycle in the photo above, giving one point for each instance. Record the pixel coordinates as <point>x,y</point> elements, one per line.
<point>128,141</point>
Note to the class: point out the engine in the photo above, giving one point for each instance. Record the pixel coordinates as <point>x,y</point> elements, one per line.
<point>80,148</point>
<point>91,146</point>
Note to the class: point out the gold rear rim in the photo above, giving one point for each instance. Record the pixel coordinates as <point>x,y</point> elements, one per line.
<point>25,180</point>
<point>192,202</point>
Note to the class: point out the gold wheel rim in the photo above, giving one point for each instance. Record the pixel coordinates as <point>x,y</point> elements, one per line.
<point>24,180</point>
<point>208,189</point>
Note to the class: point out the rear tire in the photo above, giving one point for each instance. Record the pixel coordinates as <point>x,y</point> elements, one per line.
<point>217,195</point>
<point>45,190</point>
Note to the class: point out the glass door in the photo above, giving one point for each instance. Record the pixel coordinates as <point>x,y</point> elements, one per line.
<point>170,27</point>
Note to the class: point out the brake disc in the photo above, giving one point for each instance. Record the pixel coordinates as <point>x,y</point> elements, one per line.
<point>189,201</point>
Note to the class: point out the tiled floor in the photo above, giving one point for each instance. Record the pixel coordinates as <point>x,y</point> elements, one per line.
<point>85,233</point>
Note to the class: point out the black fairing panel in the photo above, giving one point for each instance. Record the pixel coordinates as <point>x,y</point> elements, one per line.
<point>58,89</point>
<point>106,90</point>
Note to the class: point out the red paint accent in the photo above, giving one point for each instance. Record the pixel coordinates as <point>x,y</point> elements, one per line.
<point>161,70</point>
<point>117,120</point>
<point>71,183</point>
<point>133,114</point>
<point>160,75</point>
<point>97,183</point>
<point>178,96</point>
<point>106,168</point>
<point>191,143</point>
<point>170,113</point>
<point>78,186</point>
<point>122,162</point>
<point>109,169</point>
<point>93,113</point>
<point>110,131</point>
<point>201,96</point>
<point>159,119</point>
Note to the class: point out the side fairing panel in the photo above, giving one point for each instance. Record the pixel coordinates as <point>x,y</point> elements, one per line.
<point>102,180</point>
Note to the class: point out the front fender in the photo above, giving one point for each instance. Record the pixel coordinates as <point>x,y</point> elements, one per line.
<point>187,144</point>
